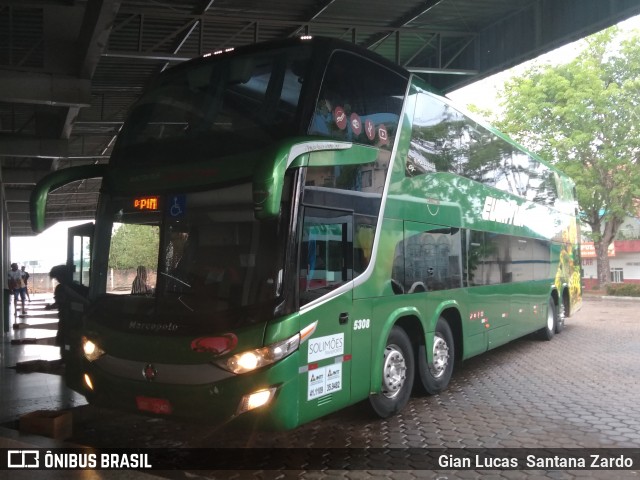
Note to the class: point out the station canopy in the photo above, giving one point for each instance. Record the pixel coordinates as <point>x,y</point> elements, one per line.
<point>70,69</point>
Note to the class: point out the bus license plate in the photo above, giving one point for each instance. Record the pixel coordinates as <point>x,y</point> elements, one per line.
<point>153,405</point>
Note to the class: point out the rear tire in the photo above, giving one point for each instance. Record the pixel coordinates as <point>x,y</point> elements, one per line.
<point>436,376</point>
<point>561,316</point>
<point>547,332</point>
<point>398,372</point>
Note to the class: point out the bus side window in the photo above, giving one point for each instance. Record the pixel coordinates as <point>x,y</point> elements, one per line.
<point>326,252</point>
<point>474,258</point>
<point>397,270</point>
<point>432,260</point>
<point>362,243</point>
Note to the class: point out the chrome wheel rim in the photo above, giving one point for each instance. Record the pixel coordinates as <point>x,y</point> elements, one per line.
<point>440,357</point>
<point>394,371</point>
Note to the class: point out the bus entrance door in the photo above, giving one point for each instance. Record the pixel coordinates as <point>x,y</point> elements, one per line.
<point>325,267</point>
<point>79,242</point>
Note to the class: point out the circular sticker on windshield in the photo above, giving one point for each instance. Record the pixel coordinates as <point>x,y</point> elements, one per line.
<point>382,135</point>
<point>340,118</point>
<point>356,124</point>
<point>370,129</point>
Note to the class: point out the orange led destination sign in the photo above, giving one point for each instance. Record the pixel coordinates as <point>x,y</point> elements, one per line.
<point>146,203</point>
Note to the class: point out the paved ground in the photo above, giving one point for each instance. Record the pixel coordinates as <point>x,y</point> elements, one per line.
<point>581,390</point>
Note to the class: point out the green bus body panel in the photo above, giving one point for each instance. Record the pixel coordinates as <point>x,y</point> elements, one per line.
<point>135,346</point>
<point>340,363</point>
<point>326,360</point>
<point>266,169</point>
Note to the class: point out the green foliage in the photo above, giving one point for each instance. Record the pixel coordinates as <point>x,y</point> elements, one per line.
<point>624,290</point>
<point>584,117</point>
<point>134,245</point>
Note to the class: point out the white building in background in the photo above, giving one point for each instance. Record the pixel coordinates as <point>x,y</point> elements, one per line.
<point>624,256</point>
<point>41,252</point>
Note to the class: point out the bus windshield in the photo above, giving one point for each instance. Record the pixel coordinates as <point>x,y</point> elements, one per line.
<point>191,255</point>
<point>215,108</point>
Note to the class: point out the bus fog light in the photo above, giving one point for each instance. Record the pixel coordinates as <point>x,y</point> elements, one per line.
<point>88,382</point>
<point>256,399</point>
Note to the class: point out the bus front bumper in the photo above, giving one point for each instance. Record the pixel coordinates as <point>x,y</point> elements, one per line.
<point>267,396</point>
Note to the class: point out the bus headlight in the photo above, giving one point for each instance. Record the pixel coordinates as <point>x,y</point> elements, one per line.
<point>92,351</point>
<point>252,359</point>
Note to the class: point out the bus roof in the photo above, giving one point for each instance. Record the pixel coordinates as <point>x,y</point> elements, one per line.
<point>319,43</point>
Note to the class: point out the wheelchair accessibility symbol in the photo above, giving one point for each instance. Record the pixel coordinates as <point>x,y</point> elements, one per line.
<point>177,205</point>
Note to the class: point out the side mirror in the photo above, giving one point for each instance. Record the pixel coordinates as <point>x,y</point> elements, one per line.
<point>57,179</point>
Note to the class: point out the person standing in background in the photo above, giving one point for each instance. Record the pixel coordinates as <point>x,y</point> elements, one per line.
<point>25,279</point>
<point>16,286</point>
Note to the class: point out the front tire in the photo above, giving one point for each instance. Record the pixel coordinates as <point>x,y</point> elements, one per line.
<point>398,372</point>
<point>435,377</point>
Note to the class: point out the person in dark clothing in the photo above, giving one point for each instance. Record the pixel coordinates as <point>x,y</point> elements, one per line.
<point>25,279</point>
<point>140,285</point>
<point>67,295</point>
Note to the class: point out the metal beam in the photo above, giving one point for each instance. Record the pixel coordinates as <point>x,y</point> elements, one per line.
<point>218,19</point>
<point>313,16</point>
<point>205,5</point>
<point>33,147</point>
<point>19,217</point>
<point>44,89</point>
<point>539,27</point>
<point>94,34</point>
<point>403,21</point>
<point>18,207</point>
<point>22,176</point>
<point>154,56</point>
<point>39,3</point>
<point>442,71</point>
<point>14,195</point>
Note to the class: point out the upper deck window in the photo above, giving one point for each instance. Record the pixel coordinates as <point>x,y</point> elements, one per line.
<point>214,108</point>
<point>359,101</point>
<point>445,140</point>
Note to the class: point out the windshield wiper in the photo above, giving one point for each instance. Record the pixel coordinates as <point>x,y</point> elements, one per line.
<point>184,304</point>
<point>176,279</point>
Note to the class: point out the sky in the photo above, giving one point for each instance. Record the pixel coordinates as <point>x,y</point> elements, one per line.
<point>50,247</point>
<point>485,93</point>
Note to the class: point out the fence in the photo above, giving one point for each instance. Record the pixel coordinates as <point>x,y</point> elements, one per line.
<point>118,280</point>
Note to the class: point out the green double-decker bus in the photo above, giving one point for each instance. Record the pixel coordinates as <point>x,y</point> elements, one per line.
<point>318,228</point>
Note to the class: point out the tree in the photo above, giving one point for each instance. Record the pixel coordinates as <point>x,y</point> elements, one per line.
<point>133,245</point>
<point>584,116</point>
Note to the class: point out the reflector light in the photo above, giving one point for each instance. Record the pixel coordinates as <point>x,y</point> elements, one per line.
<point>88,382</point>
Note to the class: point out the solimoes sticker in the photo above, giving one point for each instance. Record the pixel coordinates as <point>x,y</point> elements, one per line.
<point>326,347</point>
